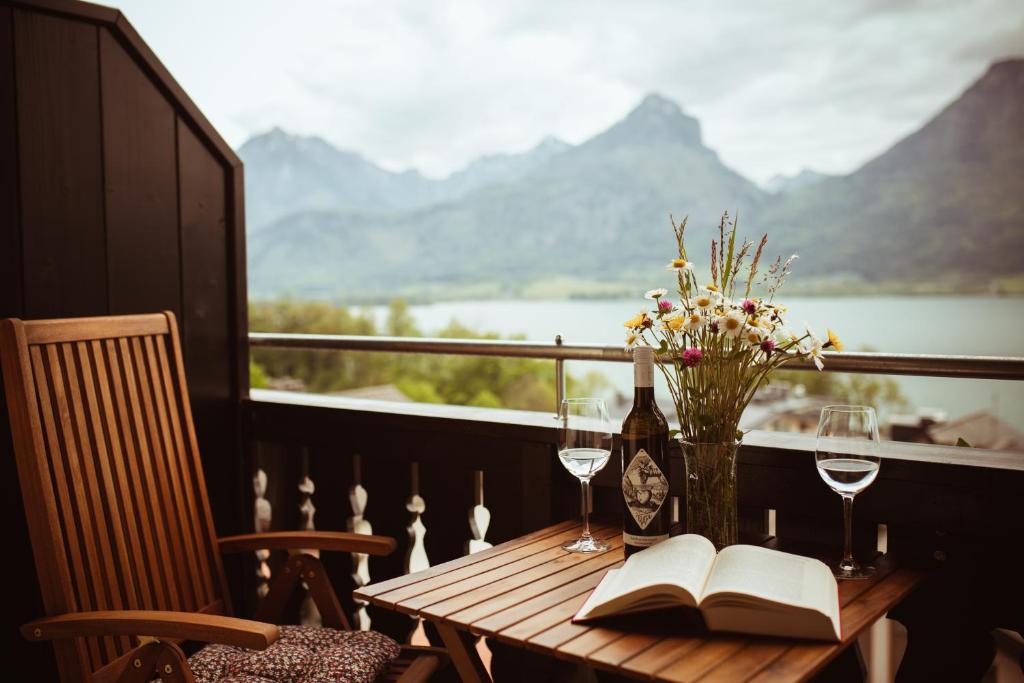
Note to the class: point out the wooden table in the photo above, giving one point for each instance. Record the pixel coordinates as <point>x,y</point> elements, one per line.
<point>524,592</point>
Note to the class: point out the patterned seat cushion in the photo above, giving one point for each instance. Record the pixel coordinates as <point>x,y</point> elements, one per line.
<point>303,654</point>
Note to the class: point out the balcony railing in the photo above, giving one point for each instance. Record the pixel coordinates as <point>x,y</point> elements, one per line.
<point>914,364</point>
<point>917,364</point>
<point>451,479</point>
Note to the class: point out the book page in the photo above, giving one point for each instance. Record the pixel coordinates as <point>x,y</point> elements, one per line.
<point>774,576</point>
<point>684,561</point>
<point>672,572</point>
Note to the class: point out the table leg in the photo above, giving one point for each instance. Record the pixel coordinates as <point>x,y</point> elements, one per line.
<point>464,655</point>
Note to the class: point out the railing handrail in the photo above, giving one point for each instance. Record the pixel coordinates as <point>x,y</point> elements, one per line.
<point>925,365</point>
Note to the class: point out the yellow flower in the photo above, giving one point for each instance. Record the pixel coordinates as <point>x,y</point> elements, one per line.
<point>834,341</point>
<point>637,321</point>
<point>676,323</point>
<point>713,288</point>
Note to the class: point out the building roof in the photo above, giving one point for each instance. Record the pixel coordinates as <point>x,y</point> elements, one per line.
<point>981,429</point>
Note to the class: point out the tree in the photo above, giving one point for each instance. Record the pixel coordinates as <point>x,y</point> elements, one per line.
<point>485,381</point>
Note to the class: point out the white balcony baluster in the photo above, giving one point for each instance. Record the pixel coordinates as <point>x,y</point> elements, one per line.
<point>261,523</point>
<point>416,556</point>
<point>358,524</point>
<point>309,615</point>
<point>479,517</point>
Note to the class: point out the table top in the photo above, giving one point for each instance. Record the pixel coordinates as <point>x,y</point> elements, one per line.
<point>525,592</point>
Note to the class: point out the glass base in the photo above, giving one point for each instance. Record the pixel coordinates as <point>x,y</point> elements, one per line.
<point>585,544</point>
<point>849,571</point>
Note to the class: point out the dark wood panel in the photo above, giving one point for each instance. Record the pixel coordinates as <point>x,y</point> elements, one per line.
<point>140,173</point>
<point>10,226</point>
<point>207,296</point>
<point>204,267</point>
<point>26,603</point>
<point>60,163</point>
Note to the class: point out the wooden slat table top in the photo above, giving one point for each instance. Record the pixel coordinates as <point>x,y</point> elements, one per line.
<point>526,591</point>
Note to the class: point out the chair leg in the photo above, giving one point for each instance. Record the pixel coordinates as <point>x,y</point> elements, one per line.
<point>153,659</point>
<point>172,665</point>
<point>272,606</point>
<point>303,567</point>
<point>322,592</point>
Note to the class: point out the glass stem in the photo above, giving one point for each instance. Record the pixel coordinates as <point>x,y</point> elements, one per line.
<point>585,497</point>
<point>847,530</point>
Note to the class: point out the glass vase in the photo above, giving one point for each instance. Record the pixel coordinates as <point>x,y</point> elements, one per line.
<point>711,491</point>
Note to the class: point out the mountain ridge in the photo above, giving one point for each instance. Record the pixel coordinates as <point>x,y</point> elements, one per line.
<point>599,209</point>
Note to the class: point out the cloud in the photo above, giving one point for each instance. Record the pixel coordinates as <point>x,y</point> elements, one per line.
<point>777,86</point>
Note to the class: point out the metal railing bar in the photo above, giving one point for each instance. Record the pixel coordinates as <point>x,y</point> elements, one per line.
<point>925,365</point>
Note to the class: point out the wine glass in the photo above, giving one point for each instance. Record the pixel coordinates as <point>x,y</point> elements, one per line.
<point>584,447</point>
<point>847,457</point>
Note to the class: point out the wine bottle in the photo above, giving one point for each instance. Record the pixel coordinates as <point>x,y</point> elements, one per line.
<point>646,508</point>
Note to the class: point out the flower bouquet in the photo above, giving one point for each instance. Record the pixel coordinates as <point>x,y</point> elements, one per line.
<point>715,346</point>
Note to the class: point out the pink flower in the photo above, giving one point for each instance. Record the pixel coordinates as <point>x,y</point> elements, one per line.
<point>768,346</point>
<point>749,307</point>
<point>692,357</point>
<point>664,305</point>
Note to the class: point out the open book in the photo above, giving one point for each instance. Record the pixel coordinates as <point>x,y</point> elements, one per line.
<point>743,588</point>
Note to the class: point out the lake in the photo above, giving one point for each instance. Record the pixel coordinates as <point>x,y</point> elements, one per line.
<point>945,325</point>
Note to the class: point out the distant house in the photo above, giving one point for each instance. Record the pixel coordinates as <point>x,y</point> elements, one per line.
<point>981,430</point>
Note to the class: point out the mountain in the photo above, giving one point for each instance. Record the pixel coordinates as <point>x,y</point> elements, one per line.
<point>786,183</point>
<point>945,202</point>
<point>944,207</point>
<point>496,169</point>
<point>595,210</point>
<point>287,173</point>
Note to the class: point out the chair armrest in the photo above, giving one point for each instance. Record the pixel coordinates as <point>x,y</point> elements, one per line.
<point>319,540</point>
<point>206,628</point>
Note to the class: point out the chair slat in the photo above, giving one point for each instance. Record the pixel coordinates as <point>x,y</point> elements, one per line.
<point>183,554</point>
<point>192,517</point>
<point>117,485</point>
<point>137,489</point>
<point>59,471</point>
<point>95,501</point>
<point>151,504</point>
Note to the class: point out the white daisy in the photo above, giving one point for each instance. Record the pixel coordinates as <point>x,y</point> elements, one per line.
<point>656,293</point>
<point>694,321</point>
<point>815,352</point>
<point>812,347</point>
<point>680,264</point>
<point>704,298</point>
<point>783,335</point>
<point>731,324</point>
<point>753,336</point>
<point>632,340</point>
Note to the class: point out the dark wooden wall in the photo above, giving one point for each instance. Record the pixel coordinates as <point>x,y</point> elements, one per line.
<point>116,196</point>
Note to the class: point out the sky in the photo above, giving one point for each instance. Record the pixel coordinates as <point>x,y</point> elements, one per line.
<point>432,85</point>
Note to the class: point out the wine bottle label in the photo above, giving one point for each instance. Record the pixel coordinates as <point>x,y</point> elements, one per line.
<point>642,541</point>
<point>644,488</point>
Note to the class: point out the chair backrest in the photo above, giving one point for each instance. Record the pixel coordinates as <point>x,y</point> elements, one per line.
<point>110,473</point>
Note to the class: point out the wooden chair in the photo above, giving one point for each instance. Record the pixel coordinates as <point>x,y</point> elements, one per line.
<point>127,556</point>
